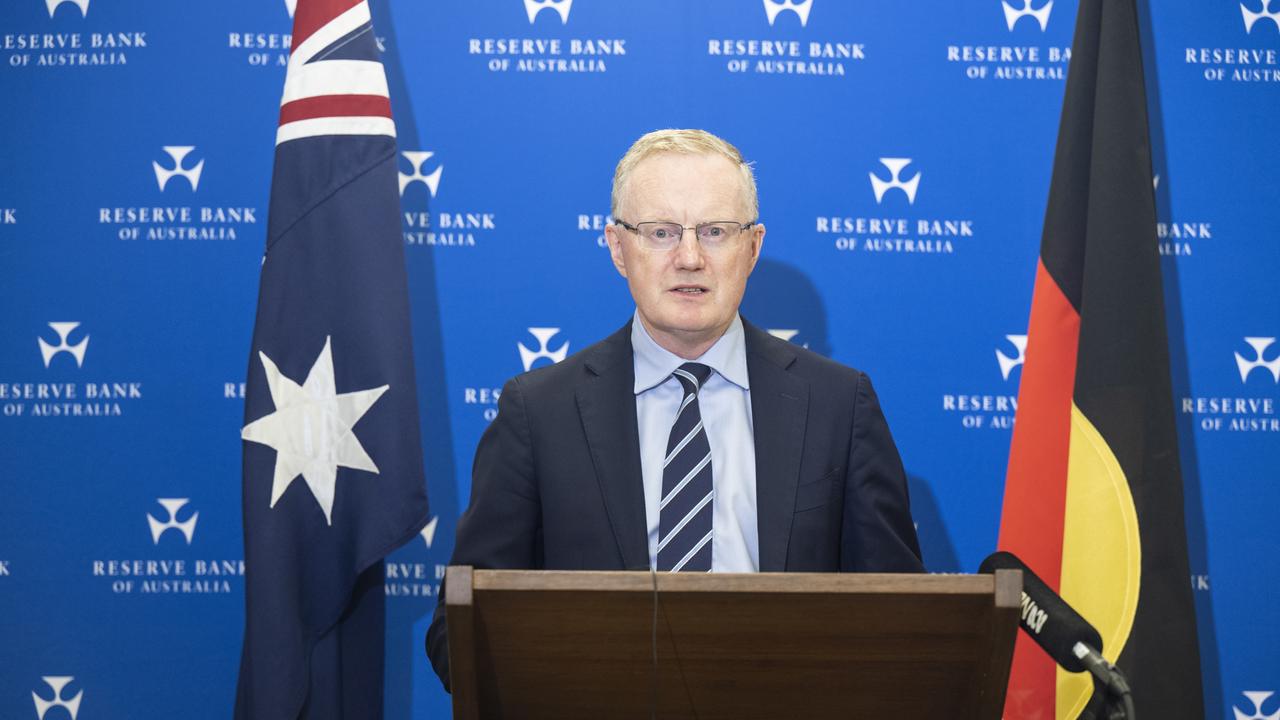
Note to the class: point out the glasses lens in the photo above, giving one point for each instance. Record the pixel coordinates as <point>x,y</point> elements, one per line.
<point>661,235</point>
<point>717,232</point>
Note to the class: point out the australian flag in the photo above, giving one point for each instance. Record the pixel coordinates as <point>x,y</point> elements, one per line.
<point>333,476</point>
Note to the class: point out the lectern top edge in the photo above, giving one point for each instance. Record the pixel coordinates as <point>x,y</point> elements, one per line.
<point>1005,592</point>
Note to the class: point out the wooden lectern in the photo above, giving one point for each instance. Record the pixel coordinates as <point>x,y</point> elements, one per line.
<point>550,644</point>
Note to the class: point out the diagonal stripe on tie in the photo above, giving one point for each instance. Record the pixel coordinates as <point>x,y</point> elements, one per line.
<point>690,555</point>
<point>686,510</point>
<point>687,479</point>
<point>671,455</point>
<point>675,531</point>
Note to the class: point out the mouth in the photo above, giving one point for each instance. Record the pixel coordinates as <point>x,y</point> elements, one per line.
<point>690,290</point>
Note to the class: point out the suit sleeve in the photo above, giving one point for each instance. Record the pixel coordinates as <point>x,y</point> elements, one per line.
<point>878,534</point>
<point>501,528</point>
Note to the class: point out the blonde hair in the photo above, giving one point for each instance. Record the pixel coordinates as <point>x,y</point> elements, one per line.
<point>682,142</point>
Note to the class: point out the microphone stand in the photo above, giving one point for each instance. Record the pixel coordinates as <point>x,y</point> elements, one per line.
<point>1110,687</point>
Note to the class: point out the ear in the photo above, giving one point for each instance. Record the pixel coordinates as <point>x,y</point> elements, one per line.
<point>613,236</point>
<point>757,242</point>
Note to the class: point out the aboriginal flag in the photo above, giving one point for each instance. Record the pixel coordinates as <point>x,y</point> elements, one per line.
<point>333,477</point>
<point>1093,496</point>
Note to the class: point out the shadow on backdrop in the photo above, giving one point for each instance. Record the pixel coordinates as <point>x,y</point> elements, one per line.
<point>783,300</point>
<point>935,542</point>
<point>404,650</point>
<point>1193,491</point>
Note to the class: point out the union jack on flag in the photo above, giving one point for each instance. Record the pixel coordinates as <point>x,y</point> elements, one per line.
<point>332,456</point>
<point>335,84</point>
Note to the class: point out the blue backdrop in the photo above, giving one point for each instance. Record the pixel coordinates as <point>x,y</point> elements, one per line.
<point>903,153</point>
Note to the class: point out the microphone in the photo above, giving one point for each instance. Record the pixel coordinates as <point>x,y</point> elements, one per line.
<point>1057,628</point>
<point>1048,619</point>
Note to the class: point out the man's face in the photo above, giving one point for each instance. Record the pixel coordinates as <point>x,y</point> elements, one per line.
<point>686,296</point>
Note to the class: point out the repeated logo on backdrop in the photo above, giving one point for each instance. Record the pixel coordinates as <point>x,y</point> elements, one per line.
<point>1007,363</point>
<point>592,225</point>
<point>172,506</point>
<point>1251,407</point>
<point>995,403</point>
<point>895,165</point>
<point>265,49</point>
<point>42,49</point>
<point>1023,56</point>
<point>785,48</point>
<point>421,176</point>
<point>64,346</point>
<point>406,579</point>
<point>171,213</point>
<point>1178,237</point>
<point>64,329</point>
<point>1257,699</point>
<point>787,334</point>
<point>416,158</point>
<point>57,687</point>
<point>1251,17</point>
<point>543,334</point>
<point>1012,15</point>
<point>536,52</point>
<point>1259,28</point>
<point>171,565</point>
<point>178,153</point>
<point>271,49</point>
<point>53,5</point>
<point>891,225</point>
<point>547,348</point>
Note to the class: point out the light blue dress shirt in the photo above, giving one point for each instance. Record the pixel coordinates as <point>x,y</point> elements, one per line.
<point>725,404</point>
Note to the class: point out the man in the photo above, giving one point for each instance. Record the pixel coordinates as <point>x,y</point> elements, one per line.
<point>689,440</point>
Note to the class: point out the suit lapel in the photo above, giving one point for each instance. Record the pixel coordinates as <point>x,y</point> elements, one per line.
<point>779,406</point>
<point>607,404</point>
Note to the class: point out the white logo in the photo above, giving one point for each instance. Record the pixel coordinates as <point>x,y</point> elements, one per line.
<point>76,351</point>
<point>544,336</point>
<point>416,158</point>
<point>533,7</point>
<point>57,683</point>
<point>1259,345</point>
<point>1250,17</point>
<point>1007,364</point>
<point>429,531</point>
<point>773,7</point>
<point>895,166</point>
<point>178,152</point>
<point>1257,697</point>
<point>291,6</point>
<point>172,505</point>
<point>786,334</point>
<point>82,4</point>
<point>1011,15</point>
<point>312,429</point>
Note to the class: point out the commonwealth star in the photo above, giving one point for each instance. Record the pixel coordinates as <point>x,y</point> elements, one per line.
<point>312,429</point>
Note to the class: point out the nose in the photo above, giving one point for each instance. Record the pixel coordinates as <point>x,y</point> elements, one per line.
<point>688,253</point>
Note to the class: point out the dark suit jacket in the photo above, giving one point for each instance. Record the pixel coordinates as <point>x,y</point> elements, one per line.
<point>556,482</point>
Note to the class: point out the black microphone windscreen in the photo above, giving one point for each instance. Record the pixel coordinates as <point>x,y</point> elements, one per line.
<point>1046,617</point>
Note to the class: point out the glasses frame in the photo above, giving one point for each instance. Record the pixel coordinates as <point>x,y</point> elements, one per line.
<point>742,227</point>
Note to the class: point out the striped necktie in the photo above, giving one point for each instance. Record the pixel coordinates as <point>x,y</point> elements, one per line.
<point>684,515</point>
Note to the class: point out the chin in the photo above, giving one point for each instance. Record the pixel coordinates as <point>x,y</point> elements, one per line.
<point>693,326</point>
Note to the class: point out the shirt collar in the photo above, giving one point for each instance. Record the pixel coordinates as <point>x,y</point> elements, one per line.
<point>654,363</point>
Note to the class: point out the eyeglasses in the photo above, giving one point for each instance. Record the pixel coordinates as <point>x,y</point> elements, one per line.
<point>667,235</point>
